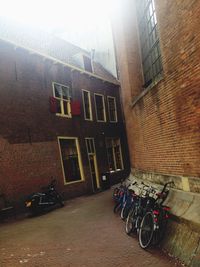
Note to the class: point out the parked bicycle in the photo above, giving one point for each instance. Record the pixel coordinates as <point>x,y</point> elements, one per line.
<point>117,191</point>
<point>127,203</point>
<point>143,202</point>
<point>154,222</point>
<point>123,196</point>
<point>142,207</point>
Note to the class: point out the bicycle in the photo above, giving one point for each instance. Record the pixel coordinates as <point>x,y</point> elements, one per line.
<point>122,196</point>
<point>117,191</point>
<point>143,202</point>
<point>128,202</point>
<point>153,224</point>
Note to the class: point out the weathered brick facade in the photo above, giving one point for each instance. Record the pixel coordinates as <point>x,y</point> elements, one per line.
<point>29,151</point>
<point>163,120</point>
<point>163,123</point>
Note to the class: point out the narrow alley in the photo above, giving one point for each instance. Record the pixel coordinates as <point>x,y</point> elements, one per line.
<point>83,233</point>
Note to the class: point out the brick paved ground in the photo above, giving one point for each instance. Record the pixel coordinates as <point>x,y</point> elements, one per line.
<point>83,233</point>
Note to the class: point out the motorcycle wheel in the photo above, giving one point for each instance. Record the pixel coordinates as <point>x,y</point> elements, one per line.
<point>60,201</point>
<point>34,211</point>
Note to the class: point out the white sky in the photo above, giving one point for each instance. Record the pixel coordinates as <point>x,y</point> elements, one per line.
<point>82,22</point>
<point>76,16</point>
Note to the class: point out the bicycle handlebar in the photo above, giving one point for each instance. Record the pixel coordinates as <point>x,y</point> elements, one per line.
<point>165,186</point>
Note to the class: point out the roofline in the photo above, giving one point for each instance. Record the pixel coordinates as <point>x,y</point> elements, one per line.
<point>32,51</point>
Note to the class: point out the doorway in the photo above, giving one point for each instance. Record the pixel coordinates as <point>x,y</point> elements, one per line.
<point>93,163</point>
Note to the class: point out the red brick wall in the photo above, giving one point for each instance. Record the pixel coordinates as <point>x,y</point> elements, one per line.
<point>29,153</point>
<point>163,127</point>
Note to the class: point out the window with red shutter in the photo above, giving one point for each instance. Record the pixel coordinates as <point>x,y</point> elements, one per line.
<point>62,96</point>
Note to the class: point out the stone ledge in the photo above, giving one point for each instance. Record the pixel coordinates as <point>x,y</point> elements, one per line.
<point>182,242</point>
<point>184,205</point>
<point>182,238</point>
<point>183,183</point>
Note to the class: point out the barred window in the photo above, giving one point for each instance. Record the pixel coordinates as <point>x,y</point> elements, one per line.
<point>114,154</point>
<point>71,159</point>
<point>149,40</point>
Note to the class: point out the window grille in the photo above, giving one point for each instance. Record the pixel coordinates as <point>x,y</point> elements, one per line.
<point>149,41</point>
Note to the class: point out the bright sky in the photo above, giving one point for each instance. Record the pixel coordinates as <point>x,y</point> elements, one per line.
<point>59,14</point>
<point>82,22</point>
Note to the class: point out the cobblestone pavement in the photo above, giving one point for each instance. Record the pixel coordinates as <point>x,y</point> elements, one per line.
<point>83,233</point>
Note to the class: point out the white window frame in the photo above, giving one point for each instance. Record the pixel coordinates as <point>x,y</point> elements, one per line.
<point>62,101</point>
<point>90,105</point>
<point>79,159</point>
<point>114,98</point>
<point>104,108</point>
<point>93,144</point>
<point>113,152</point>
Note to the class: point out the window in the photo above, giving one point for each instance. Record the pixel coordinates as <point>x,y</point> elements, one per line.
<point>100,107</point>
<point>87,63</point>
<point>90,145</point>
<point>87,105</point>
<point>71,161</point>
<point>149,41</point>
<point>62,94</point>
<point>114,154</point>
<point>112,109</point>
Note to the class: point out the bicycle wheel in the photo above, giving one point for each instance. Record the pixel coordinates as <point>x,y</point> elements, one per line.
<point>146,230</point>
<point>159,233</point>
<point>117,208</point>
<point>131,221</point>
<point>124,212</point>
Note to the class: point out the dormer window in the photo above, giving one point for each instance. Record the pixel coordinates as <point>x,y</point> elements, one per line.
<point>83,61</point>
<point>87,63</point>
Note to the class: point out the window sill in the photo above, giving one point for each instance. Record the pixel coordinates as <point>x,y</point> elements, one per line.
<point>146,90</point>
<point>62,115</point>
<point>101,121</point>
<point>73,182</point>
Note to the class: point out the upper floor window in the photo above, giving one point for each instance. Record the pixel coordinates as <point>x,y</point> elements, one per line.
<point>87,105</point>
<point>62,94</point>
<point>112,109</point>
<point>149,41</point>
<point>100,107</point>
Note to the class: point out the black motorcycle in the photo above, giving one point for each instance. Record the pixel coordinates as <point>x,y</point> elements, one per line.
<point>41,201</point>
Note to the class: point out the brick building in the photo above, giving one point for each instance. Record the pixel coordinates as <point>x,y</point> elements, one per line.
<point>60,117</point>
<point>158,49</point>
